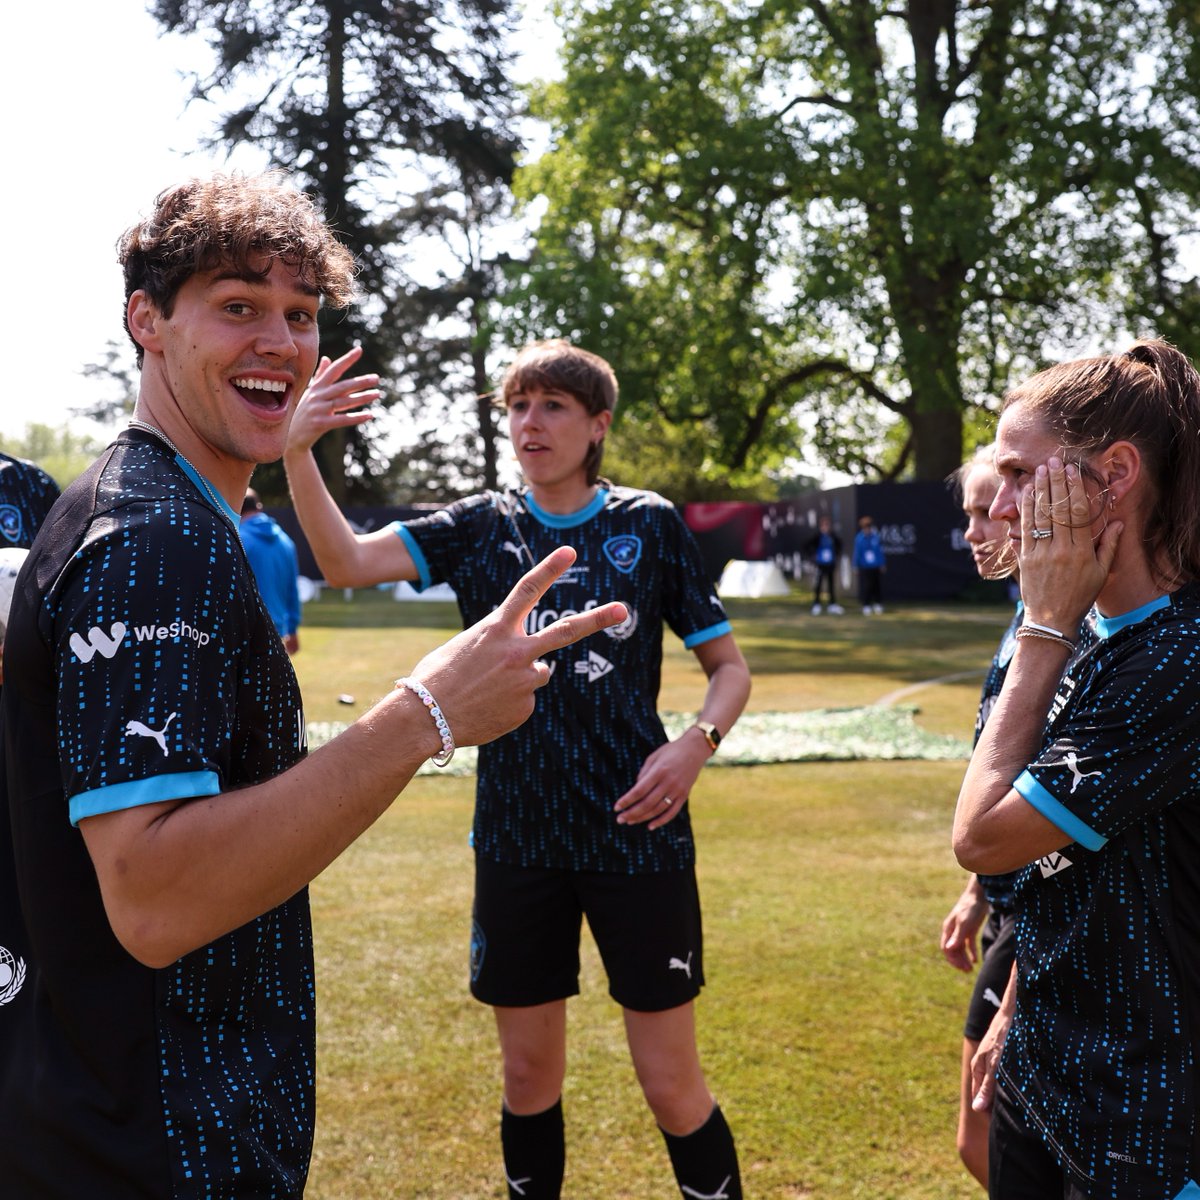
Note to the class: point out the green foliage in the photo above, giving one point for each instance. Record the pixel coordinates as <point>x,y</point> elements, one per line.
<point>399,117</point>
<point>61,452</point>
<point>881,212</point>
<point>675,459</point>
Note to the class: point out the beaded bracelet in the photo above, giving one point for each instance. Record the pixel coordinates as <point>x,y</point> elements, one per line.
<point>1045,634</point>
<point>446,753</point>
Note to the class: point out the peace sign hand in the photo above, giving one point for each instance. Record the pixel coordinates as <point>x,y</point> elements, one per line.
<point>484,678</point>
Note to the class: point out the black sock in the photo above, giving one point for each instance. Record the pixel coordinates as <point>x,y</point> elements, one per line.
<point>534,1153</point>
<point>705,1162</point>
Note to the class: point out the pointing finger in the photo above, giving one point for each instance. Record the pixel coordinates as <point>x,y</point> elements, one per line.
<point>567,630</point>
<point>533,585</point>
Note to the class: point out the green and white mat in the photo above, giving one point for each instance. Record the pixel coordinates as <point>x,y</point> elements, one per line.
<point>822,734</point>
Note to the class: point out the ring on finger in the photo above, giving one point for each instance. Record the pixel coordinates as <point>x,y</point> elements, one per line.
<point>666,801</point>
<point>1038,534</point>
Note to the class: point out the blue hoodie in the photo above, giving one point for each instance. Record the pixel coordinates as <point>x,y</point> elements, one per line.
<point>272,556</point>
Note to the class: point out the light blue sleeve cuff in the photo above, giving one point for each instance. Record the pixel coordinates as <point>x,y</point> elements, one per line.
<point>707,635</point>
<point>1053,810</point>
<point>186,785</point>
<point>424,578</point>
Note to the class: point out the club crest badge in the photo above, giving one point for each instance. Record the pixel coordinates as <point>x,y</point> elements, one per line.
<point>623,551</point>
<point>11,525</point>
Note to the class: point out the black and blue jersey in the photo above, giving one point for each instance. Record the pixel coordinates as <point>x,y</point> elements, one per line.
<point>142,666</point>
<point>546,791</point>
<point>998,888</point>
<point>1102,1054</point>
<point>27,494</point>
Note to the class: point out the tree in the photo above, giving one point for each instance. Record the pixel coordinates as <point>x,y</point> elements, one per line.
<point>61,452</point>
<point>361,99</point>
<point>857,217</point>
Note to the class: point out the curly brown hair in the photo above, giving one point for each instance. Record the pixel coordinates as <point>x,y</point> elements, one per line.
<point>242,222</point>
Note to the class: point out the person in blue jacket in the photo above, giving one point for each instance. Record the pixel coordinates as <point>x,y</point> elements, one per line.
<point>824,549</point>
<point>869,562</point>
<point>272,556</point>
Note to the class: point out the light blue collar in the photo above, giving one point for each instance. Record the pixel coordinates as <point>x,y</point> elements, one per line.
<point>1107,626</point>
<point>207,489</point>
<point>567,520</point>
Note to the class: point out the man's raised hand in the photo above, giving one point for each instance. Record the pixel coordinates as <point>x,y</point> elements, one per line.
<point>484,679</point>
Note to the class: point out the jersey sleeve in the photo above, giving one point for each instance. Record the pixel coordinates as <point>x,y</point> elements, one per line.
<point>149,629</point>
<point>690,604</point>
<point>444,543</point>
<point>1125,747</point>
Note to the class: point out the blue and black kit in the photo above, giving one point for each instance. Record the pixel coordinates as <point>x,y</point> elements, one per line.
<point>143,667</point>
<point>1101,1058</point>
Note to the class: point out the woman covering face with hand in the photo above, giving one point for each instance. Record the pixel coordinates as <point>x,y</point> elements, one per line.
<point>1085,781</point>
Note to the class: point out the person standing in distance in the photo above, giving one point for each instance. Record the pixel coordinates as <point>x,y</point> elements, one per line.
<point>824,549</point>
<point>585,811</point>
<point>166,819</point>
<point>870,562</point>
<point>272,556</point>
<point>1084,780</point>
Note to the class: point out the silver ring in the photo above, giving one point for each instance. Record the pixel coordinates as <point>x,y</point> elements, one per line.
<point>667,801</point>
<point>1038,534</point>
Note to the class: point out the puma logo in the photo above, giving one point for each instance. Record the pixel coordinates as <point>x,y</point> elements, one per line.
<point>137,729</point>
<point>1072,762</point>
<point>684,965</point>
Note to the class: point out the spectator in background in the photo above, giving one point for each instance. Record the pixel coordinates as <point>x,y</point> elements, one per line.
<point>26,496</point>
<point>869,562</point>
<point>824,549</point>
<point>272,556</point>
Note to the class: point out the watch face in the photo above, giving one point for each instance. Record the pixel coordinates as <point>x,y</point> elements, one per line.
<point>711,735</point>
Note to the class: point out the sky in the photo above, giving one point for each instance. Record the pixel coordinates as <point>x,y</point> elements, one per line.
<point>96,125</point>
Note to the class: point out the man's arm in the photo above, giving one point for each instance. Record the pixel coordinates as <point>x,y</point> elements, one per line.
<point>178,874</point>
<point>346,559</point>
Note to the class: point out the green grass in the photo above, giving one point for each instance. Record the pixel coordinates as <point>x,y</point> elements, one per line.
<point>830,1027</point>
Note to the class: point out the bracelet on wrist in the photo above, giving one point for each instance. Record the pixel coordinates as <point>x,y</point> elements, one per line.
<point>1043,633</point>
<point>422,693</point>
<point>1058,633</point>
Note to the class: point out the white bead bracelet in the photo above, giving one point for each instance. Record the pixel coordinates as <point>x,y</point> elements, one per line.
<point>443,756</point>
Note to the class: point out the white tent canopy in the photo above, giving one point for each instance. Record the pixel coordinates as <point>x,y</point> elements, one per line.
<point>742,578</point>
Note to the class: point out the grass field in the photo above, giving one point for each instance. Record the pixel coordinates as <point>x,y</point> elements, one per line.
<point>830,1027</point>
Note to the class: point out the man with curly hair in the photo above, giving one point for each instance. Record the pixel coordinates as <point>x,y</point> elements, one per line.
<point>166,817</point>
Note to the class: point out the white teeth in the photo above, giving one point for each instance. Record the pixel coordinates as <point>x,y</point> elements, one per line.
<point>262,385</point>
